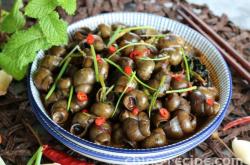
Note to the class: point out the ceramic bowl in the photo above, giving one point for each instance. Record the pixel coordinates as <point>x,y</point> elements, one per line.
<point>213,60</point>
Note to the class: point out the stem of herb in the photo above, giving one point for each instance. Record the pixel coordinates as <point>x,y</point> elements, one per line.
<point>198,77</point>
<point>34,157</point>
<point>154,35</point>
<point>71,52</point>
<point>154,59</point>
<point>130,44</point>
<point>103,90</point>
<point>39,156</point>
<point>126,30</point>
<point>57,78</point>
<point>182,90</point>
<point>113,38</point>
<point>70,97</point>
<point>110,89</point>
<point>155,95</point>
<point>136,78</point>
<point>131,78</point>
<point>186,64</point>
<point>95,62</point>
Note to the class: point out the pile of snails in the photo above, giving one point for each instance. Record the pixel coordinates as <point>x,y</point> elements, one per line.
<point>128,87</point>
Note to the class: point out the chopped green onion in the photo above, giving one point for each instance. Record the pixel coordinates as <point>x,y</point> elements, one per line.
<point>110,89</point>
<point>71,53</point>
<point>70,97</point>
<point>131,78</point>
<point>113,38</point>
<point>39,156</point>
<point>155,95</point>
<point>154,59</point>
<point>182,90</point>
<point>58,78</point>
<point>35,158</point>
<point>186,64</point>
<point>130,44</point>
<point>95,62</point>
<point>103,90</point>
<point>121,70</point>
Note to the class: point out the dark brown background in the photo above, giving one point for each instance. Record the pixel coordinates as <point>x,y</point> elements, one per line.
<point>17,143</point>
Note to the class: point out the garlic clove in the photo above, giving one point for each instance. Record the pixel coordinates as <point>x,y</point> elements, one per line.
<point>241,148</point>
<point>5,80</point>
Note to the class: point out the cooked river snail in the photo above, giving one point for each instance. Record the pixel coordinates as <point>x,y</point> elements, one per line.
<point>128,87</point>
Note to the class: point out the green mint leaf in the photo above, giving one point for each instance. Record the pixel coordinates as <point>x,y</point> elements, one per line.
<point>54,29</point>
<point>15,20</point>
<point>21,49</point>
<point>68,5</point>
<point>40,8</point>
<point>11,67</point>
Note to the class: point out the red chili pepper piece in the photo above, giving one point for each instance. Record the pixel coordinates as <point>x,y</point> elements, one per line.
<point>99,58</point>
<point>100,121</point>
<point>210,101</point>
<point>178,77</point>
<point>164,113</point>
<point>243,120</point>
<point>61,158</point>
<point>90,39</point>
<point>85,111</point>
<point>135,53</point>
<point>135,111</point>
<point>112,49</point>
<point>128,70</point>
<point>81,96</point>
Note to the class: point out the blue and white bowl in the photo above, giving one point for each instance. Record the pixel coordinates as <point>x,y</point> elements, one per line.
<point>213,60</point>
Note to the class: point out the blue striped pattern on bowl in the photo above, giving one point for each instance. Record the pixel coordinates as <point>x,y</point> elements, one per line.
<point>213,61</point>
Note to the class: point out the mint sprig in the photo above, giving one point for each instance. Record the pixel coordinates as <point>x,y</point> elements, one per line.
<point>23,45</point>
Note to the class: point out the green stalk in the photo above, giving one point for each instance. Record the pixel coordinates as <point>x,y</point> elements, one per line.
<point>131,78</point>
<point>120,33</point>
<point>130,44</point>
<point>103,90</point>
<point>39,156</point>
<point>70,97</point>
<point>186,64</point>
<point>154,59</point>
<point>110,89</point>
<point>155,95</point>
<point>113,38</point>
<point>198,77</point>
<point>154,35</point>
<point>34,157</point>
<point>58,78</point>
<point>71,52</point>
<point>121,70</point>
<point>182,90</point>
<point>95,62</point>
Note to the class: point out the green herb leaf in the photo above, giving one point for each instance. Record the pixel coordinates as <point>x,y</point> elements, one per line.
<point>40,8</point>
<point>21,50</point>
<point>15,20</point>
<point>54,29</point>
<point>68,5</point>
<point>34,158</point>
<point>11,67</point>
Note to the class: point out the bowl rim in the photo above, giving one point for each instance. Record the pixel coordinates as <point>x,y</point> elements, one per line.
<point>141,151</point>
